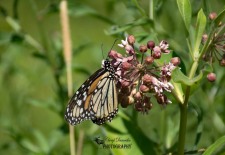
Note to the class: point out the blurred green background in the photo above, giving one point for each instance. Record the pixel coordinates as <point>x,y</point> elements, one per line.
<point>33,88</point>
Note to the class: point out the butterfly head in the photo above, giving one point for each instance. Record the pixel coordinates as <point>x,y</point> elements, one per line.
<point>106,64</point>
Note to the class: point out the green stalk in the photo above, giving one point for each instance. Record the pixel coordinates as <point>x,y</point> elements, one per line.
<point>151,9</point>
<point>67,50</point>
<point>183,112</point>
<point>183,122</point>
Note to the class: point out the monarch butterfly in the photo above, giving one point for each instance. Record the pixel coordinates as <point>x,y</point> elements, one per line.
<point>96,99</point>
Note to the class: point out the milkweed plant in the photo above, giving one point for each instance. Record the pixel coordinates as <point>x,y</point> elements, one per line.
<point>153,68</point>
<point>149,73</point>
<point>143,77</point>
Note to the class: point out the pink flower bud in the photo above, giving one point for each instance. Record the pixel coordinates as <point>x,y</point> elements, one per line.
<point>126,65</point>
<point>212,15</point>
<point>211,77</point>
<point>175,61</point>
<point>144,88</point>
<point>131,39</point>
<point>143,48</point>
<point>149,60</point>
<point>151,45</point>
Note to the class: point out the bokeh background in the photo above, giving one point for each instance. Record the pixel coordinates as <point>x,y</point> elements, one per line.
<point>33,88</point>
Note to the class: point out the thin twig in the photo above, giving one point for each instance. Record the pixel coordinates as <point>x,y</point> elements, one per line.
<point>80,142</point>
<point>67,55</point>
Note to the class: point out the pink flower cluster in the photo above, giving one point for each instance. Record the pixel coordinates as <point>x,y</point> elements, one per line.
<point>140,81</point>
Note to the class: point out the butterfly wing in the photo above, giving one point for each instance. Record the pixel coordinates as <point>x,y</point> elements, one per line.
<point>96,99</point>
<point>76,110</point>
<point>104,103</point>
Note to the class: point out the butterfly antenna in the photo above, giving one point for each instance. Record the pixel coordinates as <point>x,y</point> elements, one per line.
<point>114,44</point>
<point>110,48</point>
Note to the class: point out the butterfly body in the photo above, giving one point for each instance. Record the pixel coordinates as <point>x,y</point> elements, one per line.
<point>96,99</point>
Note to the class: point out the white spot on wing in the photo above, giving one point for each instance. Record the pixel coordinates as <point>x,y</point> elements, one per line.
<point>84,96</point>
<point>81,110</point>
<point>79,102</point>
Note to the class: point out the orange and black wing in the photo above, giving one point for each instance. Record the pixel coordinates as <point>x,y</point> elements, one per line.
<point>104,102</point>
<point>95,100</point>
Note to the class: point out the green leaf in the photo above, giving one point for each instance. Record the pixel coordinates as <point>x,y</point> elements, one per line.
<point>208,68</point>
<point>219,143</point>
<point>27,144</point>
<point>185,11</point>
<point>178,91</point>
<point>179,77</point>
<point>140,139</point>
<point>41,141</point>
<point>172,132</point>
<point>118,130</point>
<point>201,23</point>
<point>116,127</point>
<point>84,10</point>
<point>220,17</point>
<point>121,29</point>
<point>197,111</point>
<point>141,10</point>
<point>13,23</point>
<point>54,137</point>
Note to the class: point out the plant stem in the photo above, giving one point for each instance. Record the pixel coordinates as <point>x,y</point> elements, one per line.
<point>151,9</point>
<point>193,69</point>
<point>183,112</point>
<point>67,55</point>
<point>183,122</point>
